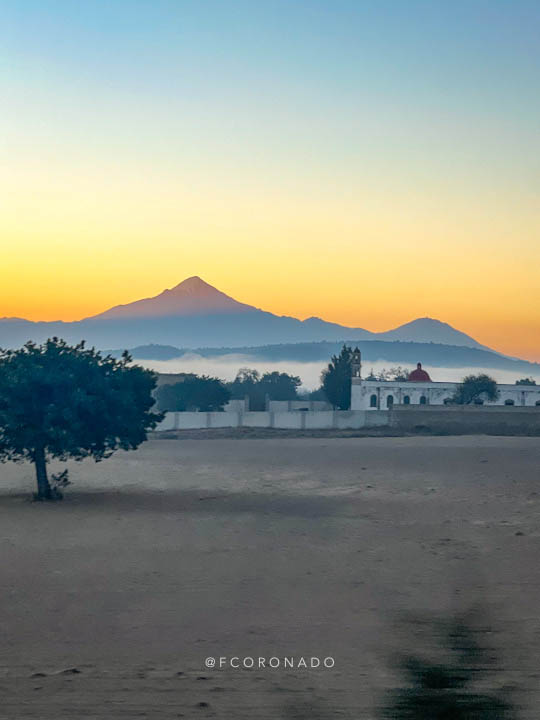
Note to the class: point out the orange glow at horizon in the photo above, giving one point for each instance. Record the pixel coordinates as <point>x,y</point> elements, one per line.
<point>368,259</point>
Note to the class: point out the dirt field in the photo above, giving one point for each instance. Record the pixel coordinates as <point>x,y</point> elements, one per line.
<point>188,549</point>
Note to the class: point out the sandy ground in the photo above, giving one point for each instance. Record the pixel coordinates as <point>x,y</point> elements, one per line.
<point>188,549</point>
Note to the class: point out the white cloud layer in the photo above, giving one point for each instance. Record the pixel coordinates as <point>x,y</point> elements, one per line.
<point>226,367</point>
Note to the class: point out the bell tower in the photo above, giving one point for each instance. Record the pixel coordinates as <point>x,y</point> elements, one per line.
<point>356,363</point>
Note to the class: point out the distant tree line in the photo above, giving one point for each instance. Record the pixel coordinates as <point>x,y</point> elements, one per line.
<point>205,394</point>
<point>394,374</point>
<point>272,385</point>
<point>194,392</point>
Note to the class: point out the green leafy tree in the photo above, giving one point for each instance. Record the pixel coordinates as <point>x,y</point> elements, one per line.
<point>280,386</point>
<point>318,394</point>
<point>274,385</point>
<point>398,373</point>
<point>172,396</point>
<point>526,381</point>
<point>210,394</point>
<point>247,383</point>
<point>476,389</point>
<point>336,379</point>
<point>61,401</point>
<point>203,393</point>
<point>247,376</point>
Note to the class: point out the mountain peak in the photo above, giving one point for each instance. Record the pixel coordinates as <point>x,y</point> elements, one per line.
<point>193,296</point>
<point>426,329</point>
<point>193,285</point>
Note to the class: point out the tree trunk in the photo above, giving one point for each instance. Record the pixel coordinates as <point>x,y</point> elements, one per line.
<point>44,489</point>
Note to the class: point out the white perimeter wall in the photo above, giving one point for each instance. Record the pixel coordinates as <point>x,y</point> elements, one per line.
<point>284,405</point>
<point>293,420</point>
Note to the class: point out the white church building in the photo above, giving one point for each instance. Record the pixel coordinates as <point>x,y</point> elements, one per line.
<point>419,389</point>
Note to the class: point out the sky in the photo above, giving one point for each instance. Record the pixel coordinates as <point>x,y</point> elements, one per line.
<point>367,162</point>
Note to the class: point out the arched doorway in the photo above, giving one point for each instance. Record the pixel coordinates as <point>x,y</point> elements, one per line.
<point>373,401</point>
<point>390,401</point>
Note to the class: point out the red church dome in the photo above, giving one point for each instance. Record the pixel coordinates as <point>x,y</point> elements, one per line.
<point>419,375</point>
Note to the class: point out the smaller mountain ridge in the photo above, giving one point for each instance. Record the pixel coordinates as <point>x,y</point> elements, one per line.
<point>426,329</point>
<point>192,296</point>
<point>373,351</point>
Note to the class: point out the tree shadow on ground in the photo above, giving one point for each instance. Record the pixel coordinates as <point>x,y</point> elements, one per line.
<point>456,678</point>
<point>197,501</point>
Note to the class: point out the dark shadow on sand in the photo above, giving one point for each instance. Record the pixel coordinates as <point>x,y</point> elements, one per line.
<point>193,501</point>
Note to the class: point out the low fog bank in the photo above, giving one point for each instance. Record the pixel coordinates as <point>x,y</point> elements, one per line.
<point>226,367</point>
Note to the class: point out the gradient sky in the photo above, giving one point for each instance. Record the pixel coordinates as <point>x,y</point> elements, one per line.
<point>366,162</point>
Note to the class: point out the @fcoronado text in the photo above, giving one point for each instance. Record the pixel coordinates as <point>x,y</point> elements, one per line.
<point>274,662</point>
